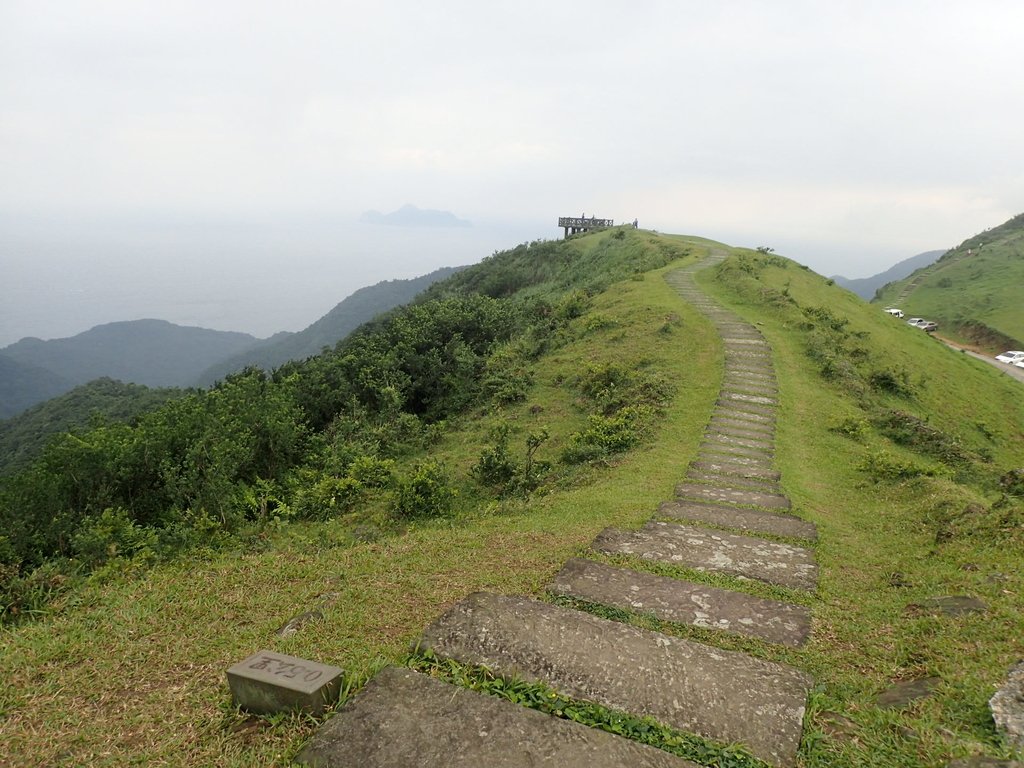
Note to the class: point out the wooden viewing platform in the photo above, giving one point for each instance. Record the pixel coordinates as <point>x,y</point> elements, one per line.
<point>574,224</point>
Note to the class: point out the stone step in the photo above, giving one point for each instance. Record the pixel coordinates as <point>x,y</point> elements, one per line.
<point>737,341</point>
<point>736,412</point>
<point>740,421</point>
<point>767,379</point>
<point>724,495</point>
<point>744,397</point>
<point>724,467</point>
<point>721,695</point>
<point>760,442</point>
<point>746,407</point>
<point>741,430</point>
<point>704,549</point>
<point>713,444</point>
<point>711,454</point>
<point>764,485</point>
<point>739,382</point>
<point>404,718</point>
<point>747,520</point>
<point>683,602</point>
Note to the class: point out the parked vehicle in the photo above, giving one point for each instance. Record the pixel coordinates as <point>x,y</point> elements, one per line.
<point>1019,364</point>
<point>895,312</point>
<point>1012,357</point>
<point>916,321</point>
<point>928,326</point>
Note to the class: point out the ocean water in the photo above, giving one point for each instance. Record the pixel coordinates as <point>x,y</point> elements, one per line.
<point>59,277</point>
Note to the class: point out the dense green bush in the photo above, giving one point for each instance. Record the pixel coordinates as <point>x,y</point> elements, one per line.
<point>426,492</point>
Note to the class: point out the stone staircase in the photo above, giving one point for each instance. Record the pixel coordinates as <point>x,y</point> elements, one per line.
<point>729,517</point>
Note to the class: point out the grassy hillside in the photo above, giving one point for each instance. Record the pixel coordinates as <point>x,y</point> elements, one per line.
<point>866,287</point>
<point>973,291</point>
<point>891,443</point>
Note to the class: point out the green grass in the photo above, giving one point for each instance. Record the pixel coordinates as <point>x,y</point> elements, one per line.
<point>129,669</point>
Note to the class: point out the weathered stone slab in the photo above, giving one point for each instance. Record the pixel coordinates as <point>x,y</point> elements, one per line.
<point>745,397</point>
<point>1008,707</point>
<point>760,443</point>
<point>683,602</point>
<point>745,406</point>
<point>748,520</point>
<point>403,718</point>
<point>905,693</point>
<point>269,682</point>
<point>741,430</point>
<point>737,412</point>
<point>763,378</point>
<point>739,342</point>
<point>722,695</point>
<point>704,549</point>
<point>710,453</point>
<point>734,481</point>
<point>714,443</point>
<point>724,495</point>
<point>738,422</point>
<point>735,383</point>
<point>724,467</point>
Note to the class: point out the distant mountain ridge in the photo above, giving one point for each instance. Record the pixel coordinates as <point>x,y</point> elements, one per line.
<point>356,309</point>
<point>156,353</point>
<point>866,287</point>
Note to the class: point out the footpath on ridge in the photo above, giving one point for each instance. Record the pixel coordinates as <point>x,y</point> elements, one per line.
<point>729,516</point>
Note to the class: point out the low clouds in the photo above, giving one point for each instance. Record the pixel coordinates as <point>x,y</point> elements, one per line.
<point>875,128</point>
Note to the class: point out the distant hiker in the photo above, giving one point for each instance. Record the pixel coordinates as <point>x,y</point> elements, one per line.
<point>636,224</point>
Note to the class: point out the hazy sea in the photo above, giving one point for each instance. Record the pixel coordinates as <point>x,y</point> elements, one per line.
<point>59,277</point>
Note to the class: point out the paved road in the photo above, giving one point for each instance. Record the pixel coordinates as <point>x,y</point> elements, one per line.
<point>1009,370</point>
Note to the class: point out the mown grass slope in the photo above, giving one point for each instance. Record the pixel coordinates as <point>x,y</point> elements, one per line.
<point>973,291</point>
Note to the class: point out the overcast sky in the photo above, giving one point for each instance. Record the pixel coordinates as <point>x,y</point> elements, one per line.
<point>847,135</point>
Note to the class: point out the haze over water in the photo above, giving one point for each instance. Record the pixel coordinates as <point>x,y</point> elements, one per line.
<point>62,277</point>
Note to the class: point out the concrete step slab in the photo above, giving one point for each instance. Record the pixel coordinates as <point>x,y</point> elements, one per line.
<point>760,443</point>
<point>403,718</point>
<point>736,412</point>
<point>724,467</point>
<point>727,495</point>
<point>746,407</point>
<point>746,397</point>
<point>683,602</point>
<point>764,485</point>
<point>739,429</point>
<point>710,453</point>
<point>713,444</point>
<point>722,695</point>
<point>746,520</point>
<point>704,549</point>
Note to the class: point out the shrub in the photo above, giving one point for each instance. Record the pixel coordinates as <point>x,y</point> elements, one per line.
<point>606,435</point>
<point>424,493</point>
<point>113,534</point>
<point>881,465</point>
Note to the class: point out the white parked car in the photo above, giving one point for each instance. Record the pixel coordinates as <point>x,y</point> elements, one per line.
<point>1019,363</point>
<point>895,312</point>
<point>1011,357</point>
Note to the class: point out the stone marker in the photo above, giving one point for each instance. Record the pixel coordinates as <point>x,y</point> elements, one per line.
<point>403,719</point>
<point>683,602</point>
<point>722,695</point>
<point>903,694</point>
<point>746,520</point>
<point>269,682</point>
<point>705,549</point>
<point>1008,707</point>
<point>732,496</point>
